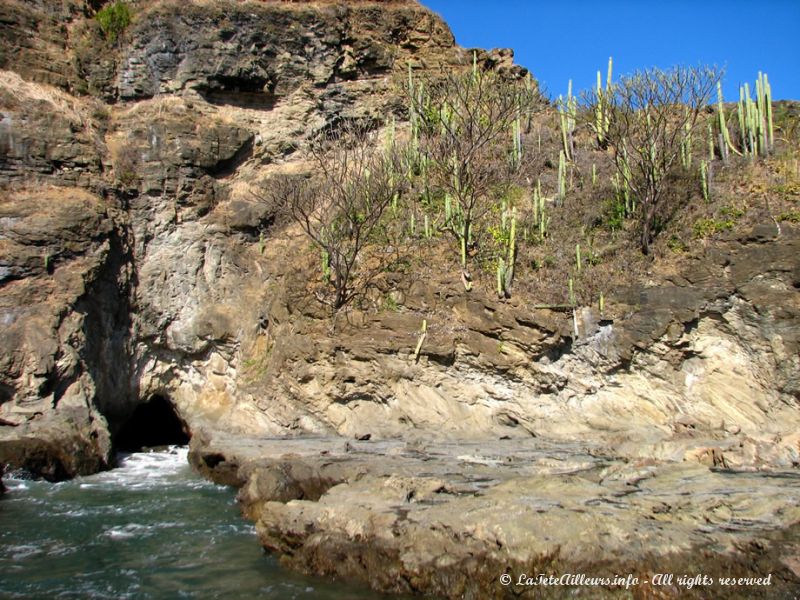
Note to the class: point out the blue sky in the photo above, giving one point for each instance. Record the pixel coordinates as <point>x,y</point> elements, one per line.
<point>559,41</point>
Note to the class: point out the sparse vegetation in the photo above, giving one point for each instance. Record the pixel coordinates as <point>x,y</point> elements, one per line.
<point>467,133</point>
<point>125,160</point>
<point>341,206</point>
<point>652,114</point>
<point>704,228</point>
<point>114,19</point>
<point>484,162</point>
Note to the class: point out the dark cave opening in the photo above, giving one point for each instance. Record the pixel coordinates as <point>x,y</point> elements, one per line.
<point>154,423</point>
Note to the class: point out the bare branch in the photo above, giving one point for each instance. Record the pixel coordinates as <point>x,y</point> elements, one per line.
<point>651,114</point>
<point>341,205</point>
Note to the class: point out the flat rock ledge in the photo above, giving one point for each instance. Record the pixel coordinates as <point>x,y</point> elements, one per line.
<point>458,519</point>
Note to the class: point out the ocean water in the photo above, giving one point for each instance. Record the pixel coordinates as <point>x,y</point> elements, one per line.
<point>149,529</point>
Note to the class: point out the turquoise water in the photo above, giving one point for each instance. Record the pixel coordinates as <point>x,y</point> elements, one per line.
<point>150,529</point>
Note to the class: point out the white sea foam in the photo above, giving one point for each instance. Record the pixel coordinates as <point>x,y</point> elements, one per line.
<point>14,485</point>
<point>144,470</point>
<point>23,551</point>
<point>125,532</point>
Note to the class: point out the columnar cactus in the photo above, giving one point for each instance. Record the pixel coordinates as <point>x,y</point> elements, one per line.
<point>602,117</point>
<point>505,262</point>
<point>562,177</point>
<point>568,111</point>
<point>704,180</point>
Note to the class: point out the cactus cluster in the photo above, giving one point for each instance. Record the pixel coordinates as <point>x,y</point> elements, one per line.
<point>754,117</point>
<point>602,118</point>
<point>508,256</point>
<point>757,132</point>
<point>568,112</point>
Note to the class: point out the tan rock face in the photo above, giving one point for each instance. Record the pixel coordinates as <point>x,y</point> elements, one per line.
<point>137,258</point>
<point>449,519</point>
<point>128,230</point>
<point>56,253</point>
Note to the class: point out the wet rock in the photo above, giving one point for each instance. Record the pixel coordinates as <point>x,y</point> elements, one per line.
<point>448,522</point>
<point>139,259</point>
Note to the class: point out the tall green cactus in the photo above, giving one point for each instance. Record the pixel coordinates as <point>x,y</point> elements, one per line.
<point>506,262</point>
<point>686,144</point>
<point>764,103</point>
<point>540,219</point>
<point>740,110</point>
<point>704,180</point>
<point>768,102</point>
<point>710,142</point>
<point>562,177</point>
<point>516,139</point>
<point>568,111</point>
<point>621,184</point>
<point>725,142</point>
<point>602,115</point>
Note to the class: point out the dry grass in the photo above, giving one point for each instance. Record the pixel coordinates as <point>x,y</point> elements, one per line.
<point>743,193</point>
<point>24,92</point>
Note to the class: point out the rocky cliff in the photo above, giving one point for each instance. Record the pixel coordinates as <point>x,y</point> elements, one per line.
<point>129,228</point>
<point>138,260</point>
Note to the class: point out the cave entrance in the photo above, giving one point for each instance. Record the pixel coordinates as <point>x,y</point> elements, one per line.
<point>154,423</point>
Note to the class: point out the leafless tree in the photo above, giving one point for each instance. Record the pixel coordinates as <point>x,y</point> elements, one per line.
<point>341,206</point>
<point>467,127</point>
<point>651,114</point>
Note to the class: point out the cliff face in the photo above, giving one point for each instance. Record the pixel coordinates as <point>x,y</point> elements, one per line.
<point>138,261</point>
<point>128,227</point>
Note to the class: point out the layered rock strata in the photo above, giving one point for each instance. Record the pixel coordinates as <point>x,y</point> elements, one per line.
<point>454,519</point>
<point>137,259</point>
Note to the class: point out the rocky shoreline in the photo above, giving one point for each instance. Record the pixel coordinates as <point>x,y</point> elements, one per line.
<point>448,519</point>
<point>649,426</point>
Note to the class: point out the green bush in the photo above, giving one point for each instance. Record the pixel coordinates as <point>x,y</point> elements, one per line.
<point>114,19</point>
<point>676,244</point>
<point>615,213</point>
<point>707,227</point>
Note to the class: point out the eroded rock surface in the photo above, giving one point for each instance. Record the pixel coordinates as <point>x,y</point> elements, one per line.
<point>138,259</point>
<point>128,267</point>
<point>450,518</point>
